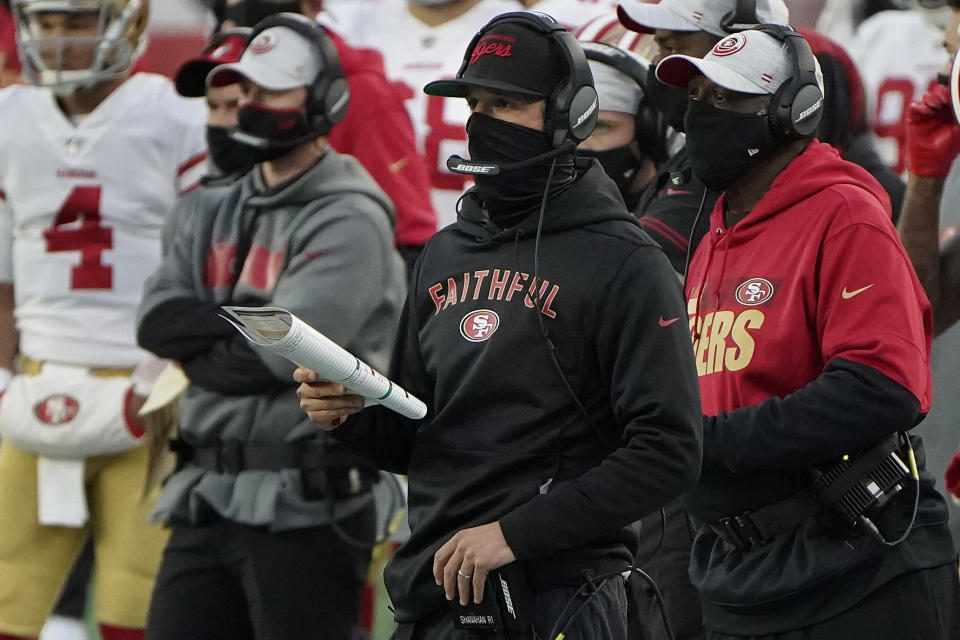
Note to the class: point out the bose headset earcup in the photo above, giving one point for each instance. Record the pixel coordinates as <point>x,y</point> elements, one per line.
<point>576,105</point>
<point>797,106</point>
<point>582,114</point>
<point>329,95</point>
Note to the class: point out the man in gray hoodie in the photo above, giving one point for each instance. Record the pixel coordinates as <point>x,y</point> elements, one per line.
<point>268,540</point>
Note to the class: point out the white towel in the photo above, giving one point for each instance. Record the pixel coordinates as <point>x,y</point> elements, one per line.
<point>61,497</point>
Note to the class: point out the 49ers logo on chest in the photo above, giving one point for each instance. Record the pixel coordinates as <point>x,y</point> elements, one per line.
<point>754,291</point>
<point>478,326</point>
<point>57,409</point>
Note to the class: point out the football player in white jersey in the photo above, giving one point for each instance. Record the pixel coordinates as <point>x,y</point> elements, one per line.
<point>898,54</point>
<point>91,161</point>
<point>418,39</point>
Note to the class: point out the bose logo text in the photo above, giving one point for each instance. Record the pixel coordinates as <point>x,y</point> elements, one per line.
<point>806,113</point>
<point>475,168</point>
<point>587,113</point>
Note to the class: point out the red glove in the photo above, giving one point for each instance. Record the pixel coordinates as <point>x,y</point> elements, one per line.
<point>952,476</point>
<point>933,135</point>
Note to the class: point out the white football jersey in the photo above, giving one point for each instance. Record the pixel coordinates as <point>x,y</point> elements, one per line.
<point>899,54</point>
<point>84,205</point>
<point>573,14</point>
<point>415,54</point>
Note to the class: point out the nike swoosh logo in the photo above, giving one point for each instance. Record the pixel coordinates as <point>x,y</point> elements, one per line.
<point>667,323</point>
<point>399,164</point>
<point>846,295</point>
<point>677,192</point>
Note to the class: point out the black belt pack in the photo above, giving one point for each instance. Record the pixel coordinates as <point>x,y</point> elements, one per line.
<point>326,471</point>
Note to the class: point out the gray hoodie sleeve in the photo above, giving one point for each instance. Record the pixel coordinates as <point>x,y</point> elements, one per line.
<point>341,259</point>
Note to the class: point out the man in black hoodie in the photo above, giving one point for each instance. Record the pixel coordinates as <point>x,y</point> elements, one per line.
<point>545,333</point>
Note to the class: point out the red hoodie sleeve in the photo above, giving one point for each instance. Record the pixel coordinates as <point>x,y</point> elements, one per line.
<point>377,131</point>
<point>871,308</point>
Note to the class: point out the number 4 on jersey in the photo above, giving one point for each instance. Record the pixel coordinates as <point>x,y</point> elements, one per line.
<point>88,237</point>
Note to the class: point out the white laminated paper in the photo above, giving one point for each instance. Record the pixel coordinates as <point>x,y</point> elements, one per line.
<point>287,335</point>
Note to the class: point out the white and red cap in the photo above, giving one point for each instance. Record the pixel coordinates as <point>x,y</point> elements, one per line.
<point>693,15</point>
<point>748,62</point>
<point>277,59</point>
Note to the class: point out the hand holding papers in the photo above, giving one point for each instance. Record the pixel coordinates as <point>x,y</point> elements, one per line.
<point>287,335</point>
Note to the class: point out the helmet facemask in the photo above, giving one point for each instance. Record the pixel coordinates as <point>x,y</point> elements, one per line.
<point>114,46</point>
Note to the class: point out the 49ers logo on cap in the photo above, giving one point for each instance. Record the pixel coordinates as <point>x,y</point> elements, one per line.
<point>729,45</point>
<point>754,291</point>
<point>489,45</point>
<point>263,43</point>
<point>478,326</point>
<point>56,409</point>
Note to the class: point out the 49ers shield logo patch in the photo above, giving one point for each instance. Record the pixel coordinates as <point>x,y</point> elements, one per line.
<point>478,326</point>
<point>754,291</point>
<point>56,409</point>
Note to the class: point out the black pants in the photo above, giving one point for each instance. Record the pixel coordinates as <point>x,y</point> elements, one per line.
<point>603,617</point>
<point>920,605</point>
<point>73,598</point>
<point>665,542</point>
<point>226,581</point>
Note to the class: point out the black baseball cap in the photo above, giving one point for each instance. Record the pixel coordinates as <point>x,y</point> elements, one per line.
<point>225,46</point>
<point>510,57</point>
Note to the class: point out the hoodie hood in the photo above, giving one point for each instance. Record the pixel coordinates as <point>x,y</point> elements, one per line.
<point>591,198</point>
<point>818,167</point>
<point>355,60</point>
<point>332,176</point>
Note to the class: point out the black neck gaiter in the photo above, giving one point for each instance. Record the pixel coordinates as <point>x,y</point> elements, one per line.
<point>514,192</point>
<point>724,145</point>
<point>271,133</point>
<point>229,156</point>
<point>621,164</point>
<point>669,100</point>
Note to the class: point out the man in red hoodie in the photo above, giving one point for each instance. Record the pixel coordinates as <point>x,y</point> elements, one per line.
<point>812,340</point>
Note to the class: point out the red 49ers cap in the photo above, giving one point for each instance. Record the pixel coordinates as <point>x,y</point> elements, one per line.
<point>509,57</point>
<point>225,46</point>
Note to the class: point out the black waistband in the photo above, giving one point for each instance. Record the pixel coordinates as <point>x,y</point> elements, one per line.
<point>754,528</point>
<point>325,472</point>
<point>234,456</point>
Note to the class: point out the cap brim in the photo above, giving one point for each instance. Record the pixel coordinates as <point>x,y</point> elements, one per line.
<point>679,70</point>
<point>458,88</point>
<point>646,18</point>
<point>191,78</point>
<point>253,69</point>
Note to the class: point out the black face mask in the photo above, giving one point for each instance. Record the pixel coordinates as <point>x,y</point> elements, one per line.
<point>249,12</point>
<point>228,155</point>
<point>621,164</point>
<point>271,133</point>
<point>670,100</point>
<point>724,145</point>
<point>516,190</point>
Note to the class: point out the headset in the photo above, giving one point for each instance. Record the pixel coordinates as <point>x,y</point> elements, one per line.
<point>650,128</point>
<point>797,106</point>
<point>743,17</point>
<point>571,112</point>
<point>328,95</point>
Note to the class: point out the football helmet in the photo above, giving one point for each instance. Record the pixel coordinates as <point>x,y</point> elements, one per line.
<point>117,42</point>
